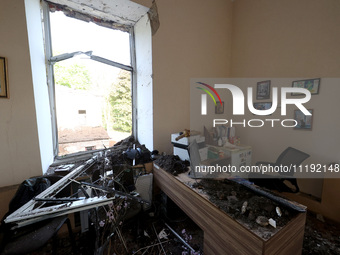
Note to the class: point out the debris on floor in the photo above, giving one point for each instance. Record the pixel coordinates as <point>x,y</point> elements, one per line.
<point>102,187</point>
<point>152,235</point>
<point>321,237</point>
<point>126,227</point>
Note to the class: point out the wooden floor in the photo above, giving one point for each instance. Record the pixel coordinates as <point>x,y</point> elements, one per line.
<point>222,234</point>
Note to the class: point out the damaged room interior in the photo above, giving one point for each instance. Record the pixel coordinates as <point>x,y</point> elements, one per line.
<point>133,127</point>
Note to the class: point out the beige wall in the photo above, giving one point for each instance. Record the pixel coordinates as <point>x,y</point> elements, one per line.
<point>292,38</point>
<point>250,38</point>
<point>286,38</point>
<point>193,41</point>
<point>19,145</point>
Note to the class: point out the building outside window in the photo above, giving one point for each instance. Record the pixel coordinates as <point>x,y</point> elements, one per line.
<point>91,71</point>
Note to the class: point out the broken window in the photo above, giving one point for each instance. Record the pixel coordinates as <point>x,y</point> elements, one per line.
<point>91,71</point>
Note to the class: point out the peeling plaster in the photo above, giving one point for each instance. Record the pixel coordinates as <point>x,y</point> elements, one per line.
<point>154,18</point>
<point>118,14</point>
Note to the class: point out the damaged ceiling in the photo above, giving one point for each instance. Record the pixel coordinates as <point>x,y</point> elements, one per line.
<point>123,12</point>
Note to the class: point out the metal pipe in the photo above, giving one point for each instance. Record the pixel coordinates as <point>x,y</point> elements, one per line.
<point>179,237</point>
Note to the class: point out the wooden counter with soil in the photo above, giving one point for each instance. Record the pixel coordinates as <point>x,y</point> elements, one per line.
<point>222,233</point>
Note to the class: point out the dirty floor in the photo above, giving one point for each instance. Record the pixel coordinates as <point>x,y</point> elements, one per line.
<point>139,235</point>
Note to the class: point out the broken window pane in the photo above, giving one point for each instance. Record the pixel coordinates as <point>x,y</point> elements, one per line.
<point>70,35</point>
<point>93,100</point>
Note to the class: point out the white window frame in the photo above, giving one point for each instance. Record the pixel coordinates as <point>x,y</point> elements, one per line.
<point>50,60</point>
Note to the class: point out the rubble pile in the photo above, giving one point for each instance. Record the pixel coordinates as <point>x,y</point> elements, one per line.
<point>260,214</point>
<point>116,152</point>
<point>321,237</point>
<point>122,227</point>
<point>107,177</point>
<point>172,164</point>
<point>153,236</point>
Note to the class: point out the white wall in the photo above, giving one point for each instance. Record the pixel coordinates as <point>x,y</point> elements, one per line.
<point>41,97</point>
<point>70,101</point>
<point>144,101</point>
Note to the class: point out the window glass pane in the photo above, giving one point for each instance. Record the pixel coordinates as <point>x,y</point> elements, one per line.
<point>70,35</point>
